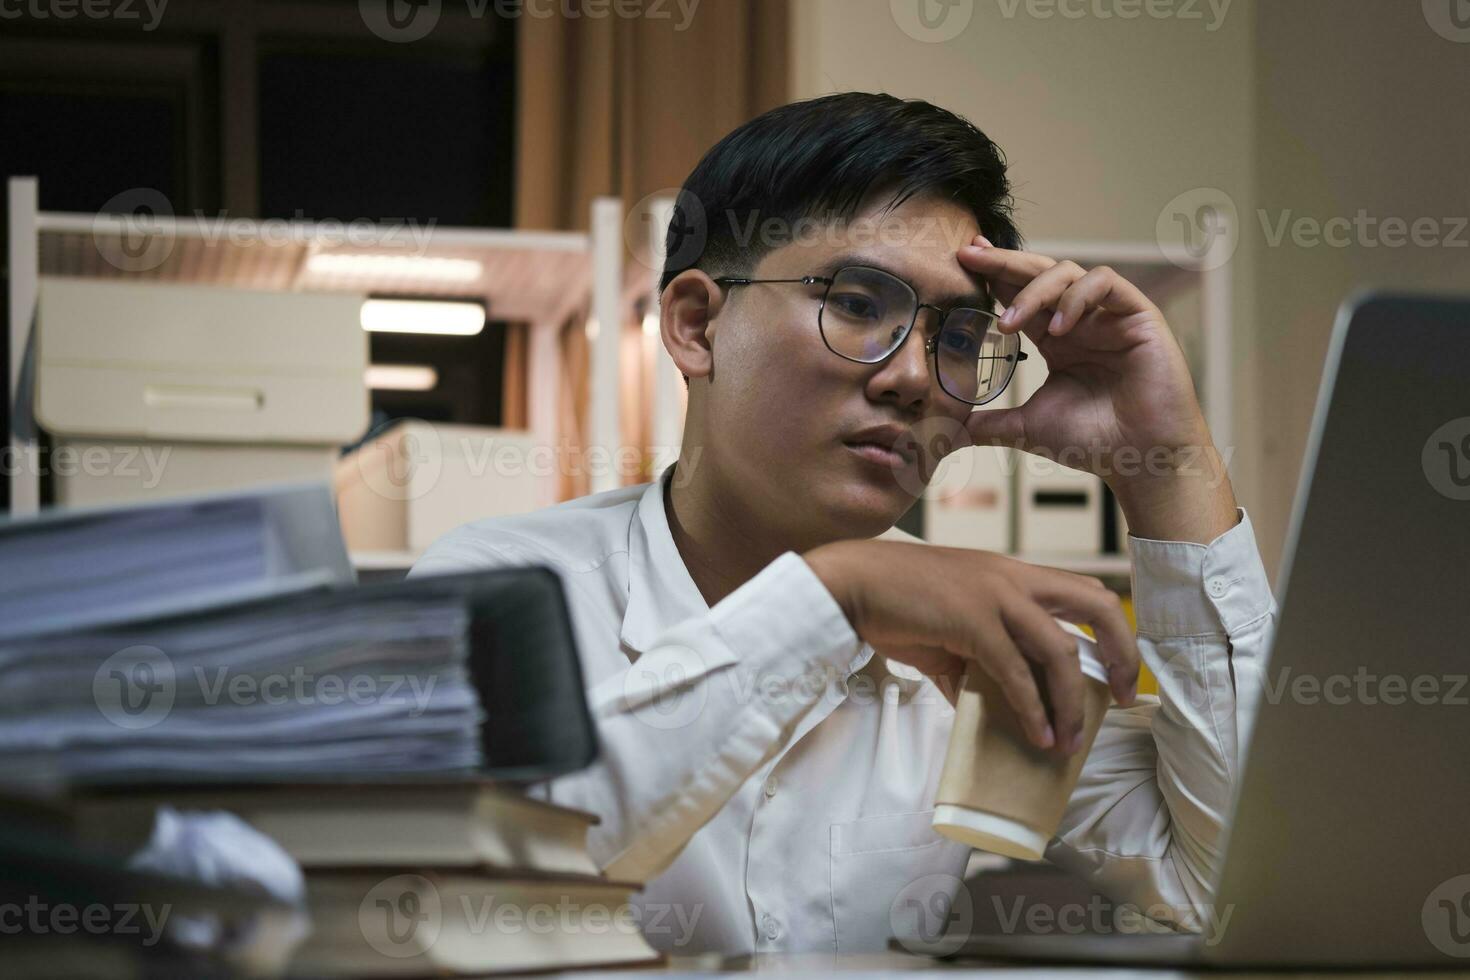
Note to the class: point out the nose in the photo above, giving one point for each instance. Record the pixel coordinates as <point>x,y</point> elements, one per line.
<point>903,379</point>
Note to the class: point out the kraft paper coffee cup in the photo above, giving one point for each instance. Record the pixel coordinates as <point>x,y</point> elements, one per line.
<point>997,791</point>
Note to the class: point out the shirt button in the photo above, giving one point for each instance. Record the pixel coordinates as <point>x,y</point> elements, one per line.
<point>771,927</point>
<point>1217,587</point>
<point>770,789</point>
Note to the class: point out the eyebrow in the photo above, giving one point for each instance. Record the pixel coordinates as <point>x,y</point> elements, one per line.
<point>981,300</point>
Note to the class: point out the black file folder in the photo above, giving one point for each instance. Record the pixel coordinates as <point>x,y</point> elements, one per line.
<point>525,667</point>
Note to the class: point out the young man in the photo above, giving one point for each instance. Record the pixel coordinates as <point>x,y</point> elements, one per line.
<point>773,688</point>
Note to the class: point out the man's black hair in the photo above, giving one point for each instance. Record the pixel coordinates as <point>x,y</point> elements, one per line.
<point>819,160</point>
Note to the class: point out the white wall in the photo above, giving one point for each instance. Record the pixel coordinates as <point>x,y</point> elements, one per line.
<point>1354,113</point>
<point>1295,109</point>
<point>1104,120</point>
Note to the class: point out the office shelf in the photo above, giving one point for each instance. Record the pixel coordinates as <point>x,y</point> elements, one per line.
<point>539,278</point>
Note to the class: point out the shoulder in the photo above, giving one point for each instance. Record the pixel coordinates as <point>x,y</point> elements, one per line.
<point>575,535</point>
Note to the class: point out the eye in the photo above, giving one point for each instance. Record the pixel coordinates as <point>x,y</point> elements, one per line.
<point>854,305</point>
<point>960,342</point>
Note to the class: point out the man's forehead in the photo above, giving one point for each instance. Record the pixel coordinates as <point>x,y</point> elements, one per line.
<point>934,272</point>
<point>922,223</point>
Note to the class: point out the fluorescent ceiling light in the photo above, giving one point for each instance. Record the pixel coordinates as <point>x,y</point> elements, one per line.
<point>401,377</point>
<point>421,267</point>
<point>423,316</point>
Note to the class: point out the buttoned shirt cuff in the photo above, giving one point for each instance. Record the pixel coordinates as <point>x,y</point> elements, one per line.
<point>786,613</point>
<point>1183,588</point>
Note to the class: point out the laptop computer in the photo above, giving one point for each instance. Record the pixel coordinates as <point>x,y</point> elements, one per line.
<point>1350,839</point>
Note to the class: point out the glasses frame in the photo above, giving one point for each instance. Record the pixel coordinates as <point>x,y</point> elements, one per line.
<point>931,346</point>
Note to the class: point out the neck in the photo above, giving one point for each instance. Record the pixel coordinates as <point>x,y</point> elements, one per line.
<point>723,542</point>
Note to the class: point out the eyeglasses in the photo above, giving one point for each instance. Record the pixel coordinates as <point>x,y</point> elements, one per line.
<point>867,314</point>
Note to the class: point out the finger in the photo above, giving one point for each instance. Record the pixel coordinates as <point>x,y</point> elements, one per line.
<point>1008,266</point>
<point>1055,651</point>
<point>1100,288</point>
<point>998,657</point>
<point>1005,271</point>
<point>1086,600</point>
<point>1040,295</point>
<point>998,427</point>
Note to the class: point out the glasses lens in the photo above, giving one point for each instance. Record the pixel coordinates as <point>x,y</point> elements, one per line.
<point>975,360</point>
<point>867,314</point>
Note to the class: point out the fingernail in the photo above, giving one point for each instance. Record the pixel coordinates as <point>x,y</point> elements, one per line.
<point>1056,323</point>
<point>984,242</point>
<point>1009,316</point>
<point>1048,738</point>
<point>1076,743</point>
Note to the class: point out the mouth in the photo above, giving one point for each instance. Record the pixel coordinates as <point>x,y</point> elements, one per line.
<point>889,446</point>
<point>875,453</point>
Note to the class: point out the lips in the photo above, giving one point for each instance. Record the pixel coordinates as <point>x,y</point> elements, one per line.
<point>890,445</point>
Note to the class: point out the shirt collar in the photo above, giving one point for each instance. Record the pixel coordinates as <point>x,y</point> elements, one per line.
<point>661,593</point>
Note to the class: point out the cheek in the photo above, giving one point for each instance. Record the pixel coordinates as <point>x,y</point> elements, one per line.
<point>782,385</point>
<point>775,358</point>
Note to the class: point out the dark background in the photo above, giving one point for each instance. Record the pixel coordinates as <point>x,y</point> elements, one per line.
<point>287,109</point>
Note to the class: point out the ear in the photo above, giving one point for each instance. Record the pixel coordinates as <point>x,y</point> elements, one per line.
<point>687,310</point>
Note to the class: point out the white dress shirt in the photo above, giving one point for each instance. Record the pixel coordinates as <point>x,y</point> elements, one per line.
<point>772,780</point>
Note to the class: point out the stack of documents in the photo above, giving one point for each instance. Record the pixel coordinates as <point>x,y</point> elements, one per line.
<point>69,569</point>
<point>321,683</point>
<point>216,654</point>
<point>222,638</point>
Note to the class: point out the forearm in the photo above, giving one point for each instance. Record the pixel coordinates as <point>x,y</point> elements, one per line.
<point>1147,819</point>
<point>1185,497</point>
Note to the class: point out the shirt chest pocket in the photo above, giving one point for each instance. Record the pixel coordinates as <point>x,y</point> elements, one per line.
<point>892,875</point>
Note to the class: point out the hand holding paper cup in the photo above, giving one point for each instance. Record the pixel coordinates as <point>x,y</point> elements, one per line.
<point>997,791</point>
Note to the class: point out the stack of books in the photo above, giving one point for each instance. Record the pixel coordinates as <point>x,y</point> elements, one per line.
<point>216,653</point>
<point>74,910</point>
<point>414,878</point>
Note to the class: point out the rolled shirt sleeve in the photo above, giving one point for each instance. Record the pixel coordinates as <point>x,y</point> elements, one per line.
<point>1145,823</point>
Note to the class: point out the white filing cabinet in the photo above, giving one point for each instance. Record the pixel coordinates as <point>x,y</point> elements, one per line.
<point>1059,511</point>
<point>149,389</point>
<point>968,503</point>
<point>414,481</point>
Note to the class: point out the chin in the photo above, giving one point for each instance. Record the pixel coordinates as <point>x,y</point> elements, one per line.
<point>858,509</point>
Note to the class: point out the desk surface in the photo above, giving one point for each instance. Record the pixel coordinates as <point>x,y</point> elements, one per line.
<point>887,964</point>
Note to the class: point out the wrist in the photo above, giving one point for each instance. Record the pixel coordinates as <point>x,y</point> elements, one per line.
<point>1188,498</point>
<point>829,563</point>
